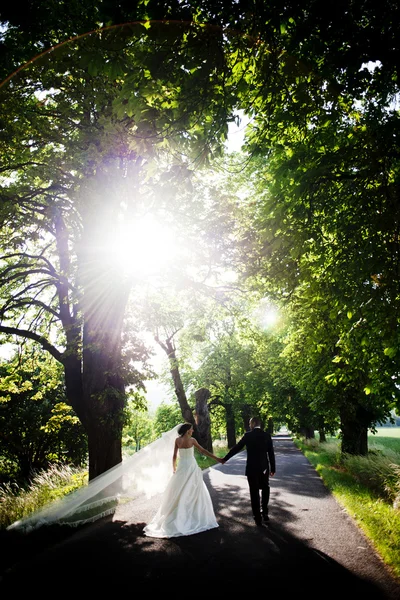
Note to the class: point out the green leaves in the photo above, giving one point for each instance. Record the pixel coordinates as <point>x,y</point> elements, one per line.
<point>390,352</point>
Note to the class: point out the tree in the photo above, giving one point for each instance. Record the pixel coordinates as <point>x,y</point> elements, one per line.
<point>167,417</point>
<point>225,362</point>
<point>329,261</point>
<point>138,429</point>
<point>202,418</point>
<point>300,76</point>
<point>38,427</point>
<point>93,120</point>
<point>169,347</point>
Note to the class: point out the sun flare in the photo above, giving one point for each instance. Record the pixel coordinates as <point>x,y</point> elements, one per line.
<point>266,314</point>
<point>143,248</point>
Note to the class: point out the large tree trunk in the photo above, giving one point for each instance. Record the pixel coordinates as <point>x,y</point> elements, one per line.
<point>104,401</point>
<point>355,421</point>
<point>307,432</point>
<point>103,384</point>
<point>203,418</point>
<point>73,379</point>
<point>321,430</point>
<point>98,398</point>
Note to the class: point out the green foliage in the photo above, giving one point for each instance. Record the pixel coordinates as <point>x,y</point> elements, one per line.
<point>138,430</point>
<point>167,416</point>
<point>37,426</point>
<point>225,355</point>
<point>101,131</point>
<point>129,112</point>
<point>323,249</point>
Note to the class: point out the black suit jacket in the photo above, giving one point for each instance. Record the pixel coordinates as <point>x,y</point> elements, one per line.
<point>260,451</point>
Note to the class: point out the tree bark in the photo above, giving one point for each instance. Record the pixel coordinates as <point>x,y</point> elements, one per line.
<point>307,432</point>
<point>103,401</point>
<point>203,418</point>
<point>321,430</point>
<point>103,385</point>
<point>355,421</point>
<point>187,413</point>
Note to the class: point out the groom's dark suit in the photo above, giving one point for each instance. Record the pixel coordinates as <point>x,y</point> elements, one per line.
<point>260,463</point>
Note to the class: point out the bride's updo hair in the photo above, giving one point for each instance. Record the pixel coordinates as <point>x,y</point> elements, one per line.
<point>184,428</point>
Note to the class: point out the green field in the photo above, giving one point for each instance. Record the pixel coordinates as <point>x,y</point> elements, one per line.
<point>387,437</point>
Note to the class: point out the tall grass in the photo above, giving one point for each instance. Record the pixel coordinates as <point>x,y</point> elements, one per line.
<point>368,487</point>
<point>17,502</point>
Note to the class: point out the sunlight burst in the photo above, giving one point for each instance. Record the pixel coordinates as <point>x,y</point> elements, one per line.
<point>270,317</point>
<point>266,314</point>
<point>143,248</point>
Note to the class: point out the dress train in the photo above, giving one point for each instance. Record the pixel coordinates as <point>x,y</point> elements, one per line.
<point>186,507</point>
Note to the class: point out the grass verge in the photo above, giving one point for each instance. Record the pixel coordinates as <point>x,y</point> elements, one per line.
<point>366,488</point>
<point>47,486</point>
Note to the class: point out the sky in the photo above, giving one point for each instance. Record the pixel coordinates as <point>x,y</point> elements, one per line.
<point>236,134</point>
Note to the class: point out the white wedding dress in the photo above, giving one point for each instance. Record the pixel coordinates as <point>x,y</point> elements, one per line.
<point>186,507</point>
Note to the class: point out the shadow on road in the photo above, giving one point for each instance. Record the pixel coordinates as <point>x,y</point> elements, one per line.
<point>113,555</point>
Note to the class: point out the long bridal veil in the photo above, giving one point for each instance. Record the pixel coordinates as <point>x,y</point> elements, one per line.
<point>146,472</point>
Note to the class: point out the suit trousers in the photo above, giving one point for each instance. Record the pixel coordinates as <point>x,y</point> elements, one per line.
<point>259,483</point>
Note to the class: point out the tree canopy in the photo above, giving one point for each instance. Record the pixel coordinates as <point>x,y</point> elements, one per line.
<point>120,113</point>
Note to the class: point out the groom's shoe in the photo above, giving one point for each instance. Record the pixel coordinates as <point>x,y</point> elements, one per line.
<point>265,518</point>
<point>258,522</point>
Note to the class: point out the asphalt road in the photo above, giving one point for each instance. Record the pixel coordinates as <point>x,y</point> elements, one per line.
<point>311,546</point>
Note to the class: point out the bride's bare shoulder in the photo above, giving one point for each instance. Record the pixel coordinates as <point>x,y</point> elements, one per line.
<point>181,443</point>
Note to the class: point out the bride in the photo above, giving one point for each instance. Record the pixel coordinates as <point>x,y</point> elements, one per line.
<point>146,472</point>
<point>186,507</point>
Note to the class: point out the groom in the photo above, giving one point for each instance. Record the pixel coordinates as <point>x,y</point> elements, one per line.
<point>258,469</point>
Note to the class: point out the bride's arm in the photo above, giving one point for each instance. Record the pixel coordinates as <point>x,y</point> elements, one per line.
<point>204,451</point>
<point>174,457</point>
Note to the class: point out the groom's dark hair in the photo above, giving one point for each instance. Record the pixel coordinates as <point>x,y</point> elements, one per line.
<point>184,428</point>
<point>255,422</point>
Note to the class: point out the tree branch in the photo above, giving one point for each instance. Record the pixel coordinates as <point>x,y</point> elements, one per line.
<point>19,166</point>
<point>29,302</point>
<point>59,356</point>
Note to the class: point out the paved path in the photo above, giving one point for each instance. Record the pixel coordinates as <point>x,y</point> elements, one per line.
<point>311,546</point>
